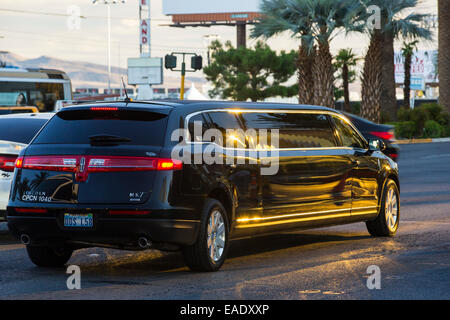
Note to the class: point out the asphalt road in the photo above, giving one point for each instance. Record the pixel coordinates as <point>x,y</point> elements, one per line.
<point>329,263</point>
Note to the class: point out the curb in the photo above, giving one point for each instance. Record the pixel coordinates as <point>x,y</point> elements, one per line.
<point>416,141</point>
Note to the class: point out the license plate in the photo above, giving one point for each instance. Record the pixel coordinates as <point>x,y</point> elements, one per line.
<point>79,220</point>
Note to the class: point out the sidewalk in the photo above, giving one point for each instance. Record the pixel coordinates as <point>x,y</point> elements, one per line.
<point>414,141</point>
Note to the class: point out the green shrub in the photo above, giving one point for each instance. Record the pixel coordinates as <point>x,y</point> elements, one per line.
<point>436,112</point>
<point>421,116</point>
<point>404,129</point>
<point>432,129</point>
<point>404,114</point>
<point>446,132</point>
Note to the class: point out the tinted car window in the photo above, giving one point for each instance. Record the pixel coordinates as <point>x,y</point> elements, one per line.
<point>75,127</point>
<point>20,130</point>
<point>296,130</point>
<point>197,133</point>
<point>348,135</point>
<point>230,127</point>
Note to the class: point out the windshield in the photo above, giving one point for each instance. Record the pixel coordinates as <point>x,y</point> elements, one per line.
<point>80,126</point>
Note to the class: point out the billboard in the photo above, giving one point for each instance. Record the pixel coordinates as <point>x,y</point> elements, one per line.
<point>423,66</point>
<point>142,71</point>
<point>173,7</point>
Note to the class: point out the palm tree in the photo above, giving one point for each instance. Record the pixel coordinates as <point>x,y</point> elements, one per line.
<point>316,23</point>
<point>345,60</point>
<point>278,18</point>
<point>378,77</point>
<point>371,79</point>
<point>408,52</point>
<point>444,56</point>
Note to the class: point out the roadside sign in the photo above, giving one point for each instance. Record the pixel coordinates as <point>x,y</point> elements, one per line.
<point>417,83</point>
<point>145,32</point>
<point>143,71</point>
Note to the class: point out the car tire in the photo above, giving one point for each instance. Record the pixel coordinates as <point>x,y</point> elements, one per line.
<point>387,222</point>
<point>49,256</point>
<point>209,252</point>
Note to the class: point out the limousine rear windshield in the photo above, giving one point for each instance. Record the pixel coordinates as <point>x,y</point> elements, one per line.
<point>79,126</point>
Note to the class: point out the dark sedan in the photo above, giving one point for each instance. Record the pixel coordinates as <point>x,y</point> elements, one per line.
<point>371,130</point>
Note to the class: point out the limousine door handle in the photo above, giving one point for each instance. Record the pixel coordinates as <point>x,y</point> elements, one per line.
<point>356,163</point>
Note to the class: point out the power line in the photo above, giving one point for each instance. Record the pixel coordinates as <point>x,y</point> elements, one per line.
<point>97,42</point>
<point>69,15</point>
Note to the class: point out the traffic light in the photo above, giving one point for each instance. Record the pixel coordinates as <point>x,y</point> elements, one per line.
<point>170,62</point>
<point>197,63</point>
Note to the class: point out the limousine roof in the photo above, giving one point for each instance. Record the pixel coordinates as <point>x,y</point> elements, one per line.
<point>188,106</point>
<point>234,104</point>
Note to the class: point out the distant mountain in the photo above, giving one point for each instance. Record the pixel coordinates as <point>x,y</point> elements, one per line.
<point>89,75</point>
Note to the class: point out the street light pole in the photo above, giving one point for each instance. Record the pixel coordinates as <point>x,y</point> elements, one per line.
<point>108,5</point>
<point>109,47</point>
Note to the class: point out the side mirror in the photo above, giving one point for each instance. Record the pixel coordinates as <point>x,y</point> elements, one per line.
<point>376,145</point>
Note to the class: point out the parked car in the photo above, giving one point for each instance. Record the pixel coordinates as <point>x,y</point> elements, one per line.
<point>15,110</point>
<point>372,130</point>
<point>120,175</point>
<point>16,131</point>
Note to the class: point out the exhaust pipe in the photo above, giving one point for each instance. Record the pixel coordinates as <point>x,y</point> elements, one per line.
<point>144,243</point>
<point>25,239</point>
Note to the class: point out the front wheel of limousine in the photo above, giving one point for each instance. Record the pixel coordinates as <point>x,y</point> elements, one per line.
<point>209,252</point>
<point>386,224</point>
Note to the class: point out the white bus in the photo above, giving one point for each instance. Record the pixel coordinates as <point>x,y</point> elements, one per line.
<point>33,87</point>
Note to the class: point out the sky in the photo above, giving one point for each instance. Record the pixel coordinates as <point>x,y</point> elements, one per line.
<point>26,31</point>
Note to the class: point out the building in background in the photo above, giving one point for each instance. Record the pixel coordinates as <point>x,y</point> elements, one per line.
<point>424,76</point>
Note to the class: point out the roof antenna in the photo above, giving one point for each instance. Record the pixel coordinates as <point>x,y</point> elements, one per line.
<point>126,93</point>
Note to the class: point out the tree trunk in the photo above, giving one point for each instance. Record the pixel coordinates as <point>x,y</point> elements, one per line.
<point>323,77</point>
<point>388,95</point>
<point>305,75</point>
<point>444,53</point>
<point>407,84</point>
<point>371,79</point>
<point>345,82</point>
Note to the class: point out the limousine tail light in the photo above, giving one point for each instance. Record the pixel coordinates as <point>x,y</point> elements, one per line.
<point>104,109</point>
<point>30,210</point>
<point>88,164</point>
<point>105,164</point>
<point>7,163</point>
<point>48,163</point>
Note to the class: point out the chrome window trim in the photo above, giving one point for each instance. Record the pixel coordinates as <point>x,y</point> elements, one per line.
<point>330,113</point>
<point>303,214</point>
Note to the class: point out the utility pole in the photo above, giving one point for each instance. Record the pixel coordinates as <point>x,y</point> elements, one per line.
<point>207,41</point>
<point>108,5</point>
<point>241,30</point>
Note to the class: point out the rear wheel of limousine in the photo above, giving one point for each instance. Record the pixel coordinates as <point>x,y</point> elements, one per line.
<point>209,252</point>
<point>49,256</point>
<point>387,222</point>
